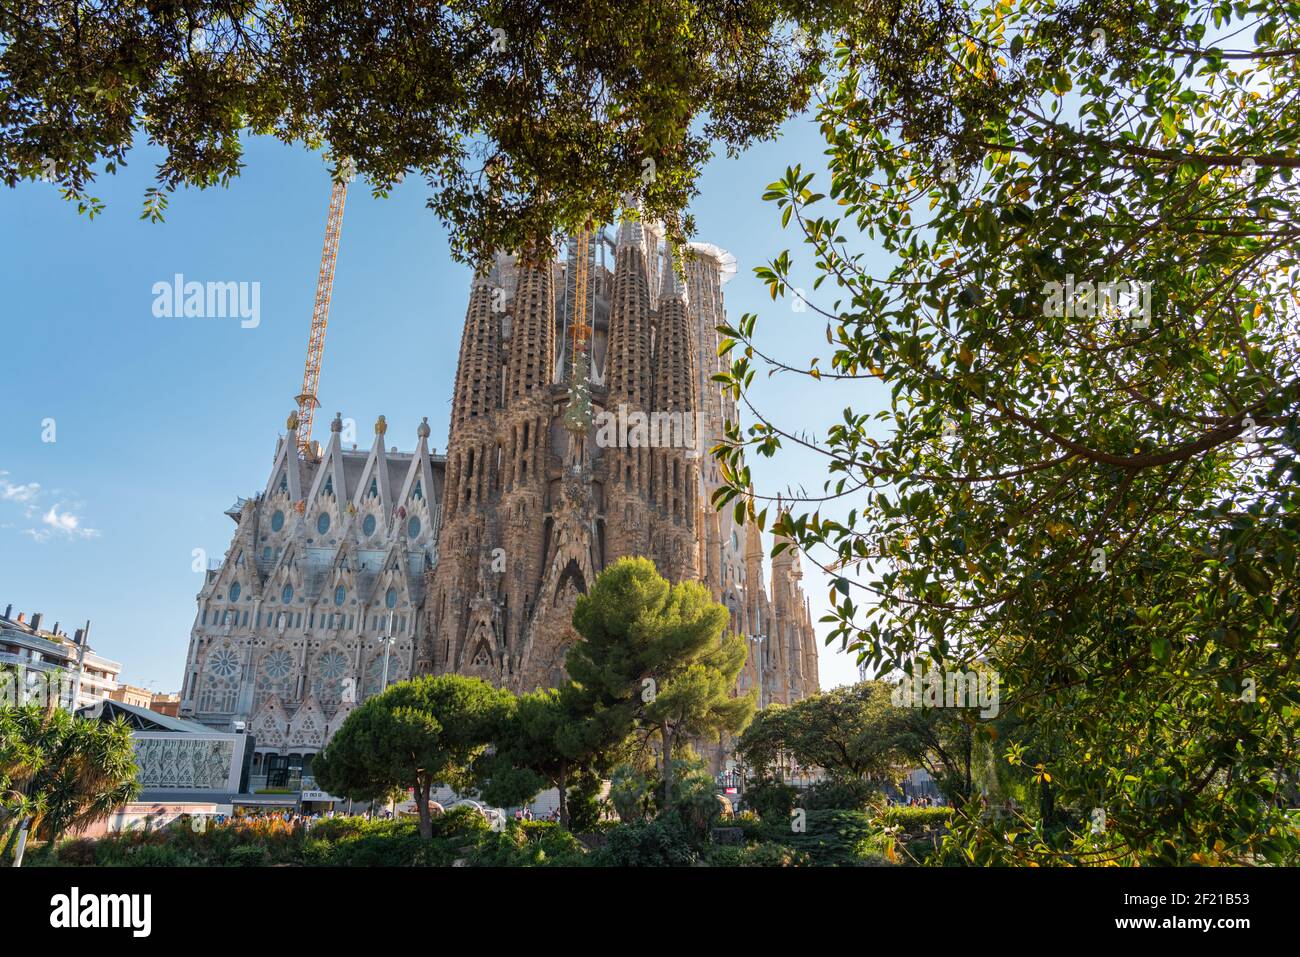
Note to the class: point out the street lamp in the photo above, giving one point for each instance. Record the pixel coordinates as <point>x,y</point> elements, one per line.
<point>758,664</point>
<point>387,641</point>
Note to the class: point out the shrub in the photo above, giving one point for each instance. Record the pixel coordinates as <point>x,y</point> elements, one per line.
<point>584,802</point>
<point>771,800</point>
<point>249,855</point>
<point>462,822</point>
<point>749,822</point>
<point>527,844</point>
<point>850,795</point>
<point>632,792</point>
<point>833,838</point>
<point>78,852</point>
<point>915,818</point>
<point>696,805</point>
<point>756,855</point>
<point>663,842</point>
<point>154,855</point>
<point>775,855</point>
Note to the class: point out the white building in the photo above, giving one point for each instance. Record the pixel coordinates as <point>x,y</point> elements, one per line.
<point>30,653</point>
<point>327,562</point>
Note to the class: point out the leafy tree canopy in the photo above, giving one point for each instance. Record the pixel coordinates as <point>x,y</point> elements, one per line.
<point>654,661</point>
<point>1084,326</point>
<point>414,735</point>
<point>523,117</point>
<point>59,772</point>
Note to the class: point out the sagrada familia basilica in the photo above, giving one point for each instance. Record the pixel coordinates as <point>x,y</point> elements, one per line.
<point>354,567</point>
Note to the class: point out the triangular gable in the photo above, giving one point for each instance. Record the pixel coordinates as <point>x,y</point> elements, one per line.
<point>284,473</point>
<point>374,480</point>
<point>416,496</point>
<point>330,478</point>
<point>269,724</point>
<point>394,574</point>
<point>307,727</point>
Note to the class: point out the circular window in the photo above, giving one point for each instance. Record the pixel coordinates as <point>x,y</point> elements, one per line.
<point>286,596</point>
<point>413,526</point>
<point>340,594</point>
<point>333,664</point>
<point>323,523</point>
<point>368,525</point>
<point>234,591</point>
<point>278,664</point>
<point>277,521</point>
<point>224,664</point>
<point>390,599</point>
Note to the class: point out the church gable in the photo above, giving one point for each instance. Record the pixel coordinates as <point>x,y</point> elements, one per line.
<point>307,727</point>
<point>269,724</point>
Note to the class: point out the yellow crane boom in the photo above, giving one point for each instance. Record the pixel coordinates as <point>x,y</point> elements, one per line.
<point>307,401</point>
<point>581,329</point>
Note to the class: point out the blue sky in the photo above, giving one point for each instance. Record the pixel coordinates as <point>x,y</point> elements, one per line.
<point>158,424</point>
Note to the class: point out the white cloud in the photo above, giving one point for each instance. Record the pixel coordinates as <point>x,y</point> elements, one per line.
<point>58,519</point>
<point>19,493</point>
<point>64,523</point>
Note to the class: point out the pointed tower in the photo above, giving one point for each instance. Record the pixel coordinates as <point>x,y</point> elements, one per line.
<point>467,532</point>
<point>673,432</point>
<point>627,465</point>
<point>786,622</point>
<point>483,591</point>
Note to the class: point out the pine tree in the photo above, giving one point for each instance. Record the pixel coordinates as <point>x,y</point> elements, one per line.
<point>654,660</point>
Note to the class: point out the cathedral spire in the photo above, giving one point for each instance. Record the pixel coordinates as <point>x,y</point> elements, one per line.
<point>530,363</point>
<point>479,369</point>
<point>674,353</point>
<point>672,285</point>
<point>628,359</point>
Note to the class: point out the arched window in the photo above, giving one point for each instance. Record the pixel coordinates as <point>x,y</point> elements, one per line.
<point>234,591</point>
<point>286,595</point>
<point>390,599</point>
<point>340,594</point>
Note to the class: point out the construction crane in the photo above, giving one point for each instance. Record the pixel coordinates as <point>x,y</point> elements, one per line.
<point>581,328</point>
<point>577,418</point>
<point>320,315</point>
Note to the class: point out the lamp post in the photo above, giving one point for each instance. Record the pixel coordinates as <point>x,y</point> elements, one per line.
<point>387,641</point>
<point>758,664</point>
<point>81,668</point>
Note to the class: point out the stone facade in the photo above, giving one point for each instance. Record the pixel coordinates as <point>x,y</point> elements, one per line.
<point>534,508</point>
<point>478,556</point>
<point>325,564</point>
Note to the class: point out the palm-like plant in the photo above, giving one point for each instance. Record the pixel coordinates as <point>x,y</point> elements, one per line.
<point>59,772</point>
